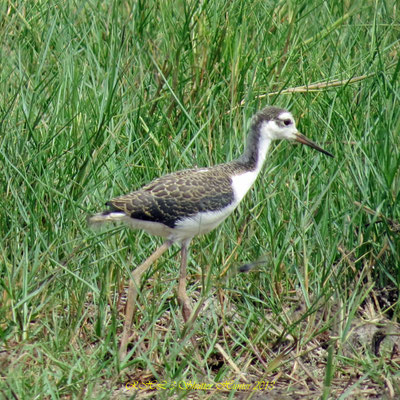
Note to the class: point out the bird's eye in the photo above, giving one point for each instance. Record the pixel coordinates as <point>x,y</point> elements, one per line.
<point>287,122</point>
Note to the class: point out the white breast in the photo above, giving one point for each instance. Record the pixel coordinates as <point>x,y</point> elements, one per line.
<point>205,222</point>
<point>242,183</point>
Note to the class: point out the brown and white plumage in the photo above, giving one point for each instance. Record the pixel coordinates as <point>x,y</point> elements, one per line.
<point>191,202</point>
<point>161,206</point>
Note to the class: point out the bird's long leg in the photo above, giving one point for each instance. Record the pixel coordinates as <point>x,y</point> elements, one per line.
<point>134,283</point>
<point>183,298</point>
<point>184,302</point>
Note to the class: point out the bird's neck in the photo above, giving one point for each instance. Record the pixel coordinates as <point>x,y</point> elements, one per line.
<point>256,150</point>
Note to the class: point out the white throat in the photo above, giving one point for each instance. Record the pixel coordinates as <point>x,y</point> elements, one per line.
<point>263,148</point>
<point>243,182</point>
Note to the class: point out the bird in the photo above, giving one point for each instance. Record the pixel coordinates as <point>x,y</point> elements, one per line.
<point>192,202</point>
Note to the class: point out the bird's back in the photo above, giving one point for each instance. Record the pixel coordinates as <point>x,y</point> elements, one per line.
<point>179,195</point>
<point>193,201</point>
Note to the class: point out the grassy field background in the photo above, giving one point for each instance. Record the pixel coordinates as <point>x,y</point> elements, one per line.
<point>100,97</point>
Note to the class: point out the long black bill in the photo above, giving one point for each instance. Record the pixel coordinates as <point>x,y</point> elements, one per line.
<point>304,140</point>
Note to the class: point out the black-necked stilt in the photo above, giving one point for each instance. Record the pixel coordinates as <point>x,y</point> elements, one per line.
<point>192,202</point>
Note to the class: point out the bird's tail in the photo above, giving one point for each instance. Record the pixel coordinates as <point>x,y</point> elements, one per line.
<point>104,217</point>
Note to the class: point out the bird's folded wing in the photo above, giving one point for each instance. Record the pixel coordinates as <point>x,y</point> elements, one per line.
<point>175,196</point>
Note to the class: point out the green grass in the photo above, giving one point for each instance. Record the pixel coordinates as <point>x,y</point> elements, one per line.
<point>98,98</point>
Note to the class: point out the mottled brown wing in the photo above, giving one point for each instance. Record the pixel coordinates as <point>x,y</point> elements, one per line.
<point>173,197</point>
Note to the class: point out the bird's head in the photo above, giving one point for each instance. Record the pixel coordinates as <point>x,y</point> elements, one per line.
<point>276,123</point>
